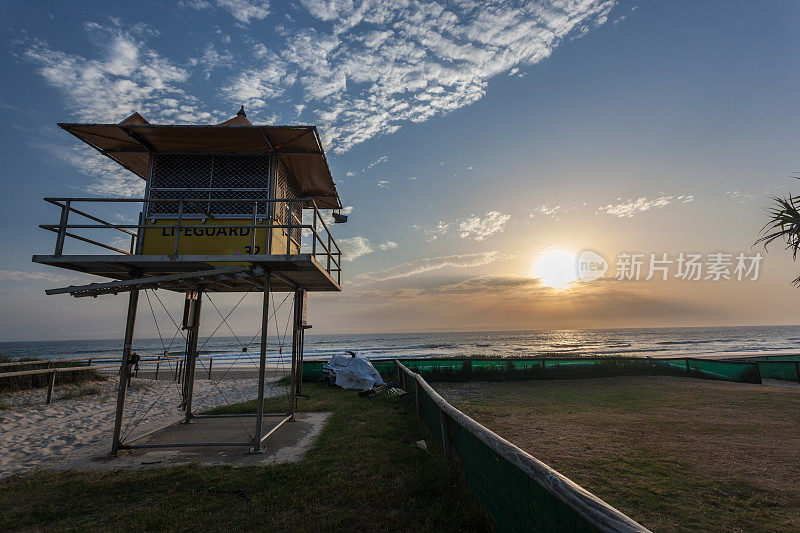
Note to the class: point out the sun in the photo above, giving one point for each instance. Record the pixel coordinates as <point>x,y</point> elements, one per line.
<point>556,268</point>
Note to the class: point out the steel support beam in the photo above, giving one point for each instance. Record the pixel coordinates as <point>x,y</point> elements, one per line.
<point>262,365</point>
<point>124,370</point>
<point>194,305</point>
<point>293,369</point>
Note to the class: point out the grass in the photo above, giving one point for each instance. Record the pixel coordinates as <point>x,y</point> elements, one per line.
<point>363,473</point>
<point>675,454</point>
<point>9,359</point>
<point>20,383</point>
<point>81,391</point>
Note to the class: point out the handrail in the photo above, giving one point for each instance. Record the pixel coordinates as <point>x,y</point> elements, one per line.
<point>294,228</point>
<point>597,512</point>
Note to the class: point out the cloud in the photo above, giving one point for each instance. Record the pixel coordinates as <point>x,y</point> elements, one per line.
<point>388,245</point>
<point>211,59</point>
<point>548,211</point>
<point>434,233</point>
<point>383,184</point>
<point>108,178</point>
<point>370,67</point>
<point>20,275</point>
<point>354,247</point>
<point>740,197</point>
<point>421,266</point>
<point>381,159</point>
<point>255,87</point>
<point>128,77</point>
<point>507,302</point>
<point>479,227</point>
<point>629,208</point>
<point>362,69</point>
<point>241,10</point>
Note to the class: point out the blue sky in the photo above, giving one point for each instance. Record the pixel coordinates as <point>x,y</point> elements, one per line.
<point>468,141</point>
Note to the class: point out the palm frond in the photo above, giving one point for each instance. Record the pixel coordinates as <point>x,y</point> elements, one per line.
<point>783,225</point>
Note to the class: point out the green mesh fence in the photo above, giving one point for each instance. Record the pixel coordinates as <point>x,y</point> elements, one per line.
<point>781,358</point>
<point>785,370</point>
<point>464,369</point>
<point>514,500</point>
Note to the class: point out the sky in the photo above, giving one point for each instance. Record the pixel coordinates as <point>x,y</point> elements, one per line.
<point>480,149</point>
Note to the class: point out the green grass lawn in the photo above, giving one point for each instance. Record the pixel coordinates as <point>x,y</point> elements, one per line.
<point>675,454</point>
<point>363,473</point>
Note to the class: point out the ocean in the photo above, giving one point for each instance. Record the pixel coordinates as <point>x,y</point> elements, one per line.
<point>550,343</point>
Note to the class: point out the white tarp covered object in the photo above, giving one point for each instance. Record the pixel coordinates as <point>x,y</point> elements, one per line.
<point>353,372</point>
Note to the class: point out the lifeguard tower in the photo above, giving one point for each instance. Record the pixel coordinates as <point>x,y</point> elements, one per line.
<point>233,207</point>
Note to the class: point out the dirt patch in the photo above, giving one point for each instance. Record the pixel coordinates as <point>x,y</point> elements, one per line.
<point>675,454</point>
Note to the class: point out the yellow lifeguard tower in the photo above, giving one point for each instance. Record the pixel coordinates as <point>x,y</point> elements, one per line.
<point>233,207</point>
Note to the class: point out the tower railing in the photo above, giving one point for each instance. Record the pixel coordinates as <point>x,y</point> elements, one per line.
<point>183,214</point>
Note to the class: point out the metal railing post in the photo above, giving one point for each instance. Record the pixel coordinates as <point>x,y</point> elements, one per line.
<point>62,227</point>
<point>329,249</point>
<point>253,235</point>
<point>178,227</point>
<point>289,228</point>
<point>314,237</point>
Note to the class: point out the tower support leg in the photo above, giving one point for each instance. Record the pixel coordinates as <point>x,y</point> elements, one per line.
<point>262,365</point>
<point>124,370</point>
<point>192,324</point>
<point>301,346</point>
<point>295,352</point>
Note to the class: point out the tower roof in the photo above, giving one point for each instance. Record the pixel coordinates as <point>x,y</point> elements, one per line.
<point>132,142</point>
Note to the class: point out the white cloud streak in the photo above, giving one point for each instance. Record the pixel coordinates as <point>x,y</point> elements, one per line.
<point>20,275</point>
<point>630,208</point>
<point>420,266</point>
<point>354,247</point>
<point>381,159</point>
<point>548,211</point>
<point>477,227</point>
<point>242,10</point>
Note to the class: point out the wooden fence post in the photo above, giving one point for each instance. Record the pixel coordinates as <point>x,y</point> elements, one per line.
<point>50,388</point>
<point>158,365</point>
<point>210,362</point>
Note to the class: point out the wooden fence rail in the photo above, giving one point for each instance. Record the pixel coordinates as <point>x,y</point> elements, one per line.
<point>52,373</point>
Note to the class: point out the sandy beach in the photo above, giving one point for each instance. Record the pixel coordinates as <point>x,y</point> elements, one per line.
<point>75,432</point>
